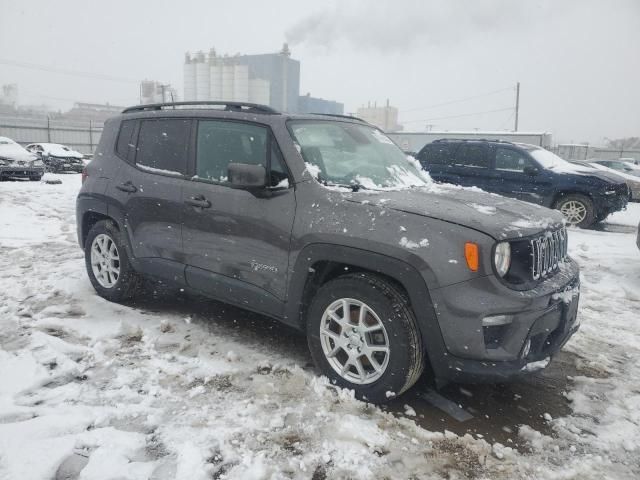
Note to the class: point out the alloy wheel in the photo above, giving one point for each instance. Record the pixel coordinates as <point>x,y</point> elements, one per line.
<point>574,211</point>
<point>354,341</point>
<point>105,260</point>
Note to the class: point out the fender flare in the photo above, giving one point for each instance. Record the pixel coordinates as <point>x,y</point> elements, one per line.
<point>413,280</point>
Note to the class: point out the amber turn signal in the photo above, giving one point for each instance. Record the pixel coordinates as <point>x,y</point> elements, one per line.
<point>472,256</point>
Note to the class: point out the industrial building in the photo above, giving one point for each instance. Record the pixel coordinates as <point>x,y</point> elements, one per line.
<point>309,104</point>
<point>270,79</point>
<point>414,141</point>
<point>385,118</point>
<point>156,92</point>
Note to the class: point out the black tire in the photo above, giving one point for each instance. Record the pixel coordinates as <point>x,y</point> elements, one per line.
<point>128,282</point>
<point>406,355</point>
<point>590,214</point>
<point>35,179</point>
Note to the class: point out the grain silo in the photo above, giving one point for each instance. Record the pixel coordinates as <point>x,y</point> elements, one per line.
<point>189,78</point>
<point>202,77</point>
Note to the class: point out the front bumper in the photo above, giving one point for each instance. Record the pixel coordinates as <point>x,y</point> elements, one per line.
<point>21,171</point>
<point>541,321</point>
<point>606,204</point>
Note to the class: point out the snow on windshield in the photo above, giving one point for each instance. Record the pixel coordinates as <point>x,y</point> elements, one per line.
<point>551,161</point>
<point>348,154</point>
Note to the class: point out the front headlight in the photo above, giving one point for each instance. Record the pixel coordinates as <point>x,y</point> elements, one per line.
<point>502,258</point>
<point>37,163</point>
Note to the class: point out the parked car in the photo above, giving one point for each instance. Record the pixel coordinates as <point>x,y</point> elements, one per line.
<point>528,173</point>
<point>16,162</point>
<point>620,166</point>
<point>323,223</point>
<point>632,182</point>
<point>58,158</point>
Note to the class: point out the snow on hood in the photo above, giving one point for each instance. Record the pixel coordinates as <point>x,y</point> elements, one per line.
<point>492,214</point>
<point>58,150</point>
<point>13,151</point>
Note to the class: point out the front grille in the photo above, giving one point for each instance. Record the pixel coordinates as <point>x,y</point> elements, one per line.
<point>547,251</point>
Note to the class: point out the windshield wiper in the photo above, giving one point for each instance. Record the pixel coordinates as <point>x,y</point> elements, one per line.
<point>354,186</point>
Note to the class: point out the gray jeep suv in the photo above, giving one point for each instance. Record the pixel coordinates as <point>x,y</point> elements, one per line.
<point>323,223</point>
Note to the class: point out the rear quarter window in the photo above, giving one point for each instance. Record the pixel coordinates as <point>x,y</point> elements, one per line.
<point>124,143</point>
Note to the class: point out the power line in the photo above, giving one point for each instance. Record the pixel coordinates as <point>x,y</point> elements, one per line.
<point>458,116</point>
<point>451,102</point>
<point>76,73</point>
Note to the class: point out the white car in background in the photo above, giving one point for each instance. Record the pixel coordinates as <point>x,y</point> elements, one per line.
<point>17,162</point>
<point>58,158</point>
<point>632,181</point>
<point>621,166</point>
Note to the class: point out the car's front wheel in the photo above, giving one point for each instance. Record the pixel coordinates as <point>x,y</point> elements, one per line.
<point>363,335</point>
<point>107,263</point>
<point>577,210</point>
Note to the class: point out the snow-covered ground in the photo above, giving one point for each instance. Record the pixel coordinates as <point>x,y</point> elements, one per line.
<point>184,388</point>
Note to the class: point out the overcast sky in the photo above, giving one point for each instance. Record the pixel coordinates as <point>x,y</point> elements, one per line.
<point>578,61</point>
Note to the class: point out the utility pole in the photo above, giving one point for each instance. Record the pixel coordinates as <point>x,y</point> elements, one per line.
<point>517,104</point>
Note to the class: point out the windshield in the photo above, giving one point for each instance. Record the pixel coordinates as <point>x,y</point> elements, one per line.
<point>548,159</point>
<point>350,154</point>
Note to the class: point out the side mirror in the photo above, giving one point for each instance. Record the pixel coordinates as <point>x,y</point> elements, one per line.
<point>529,170</point>
<point>244,175</point>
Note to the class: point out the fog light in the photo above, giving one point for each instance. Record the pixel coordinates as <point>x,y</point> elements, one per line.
<point>527,348</point>
<point>496,320</point>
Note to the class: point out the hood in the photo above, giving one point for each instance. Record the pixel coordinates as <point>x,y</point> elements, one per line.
<point>574,169</point>
<point>14,152</point>
<point>494,215</point>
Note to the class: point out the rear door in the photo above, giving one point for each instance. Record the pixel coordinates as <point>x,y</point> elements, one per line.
<point>472,165</point>
<point>236,241</point>
<point>148,185</point>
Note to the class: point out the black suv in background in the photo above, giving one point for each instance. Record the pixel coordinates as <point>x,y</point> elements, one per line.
<point>528,173</point>
<point>323,223</point>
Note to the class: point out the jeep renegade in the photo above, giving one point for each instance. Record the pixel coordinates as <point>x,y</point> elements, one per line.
<point>323,223</point>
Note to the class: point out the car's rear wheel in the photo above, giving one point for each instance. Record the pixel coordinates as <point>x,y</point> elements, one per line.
<point>107,263</point>
<point>577,210</point>
<point>35,179</point>
<point>363,335</point>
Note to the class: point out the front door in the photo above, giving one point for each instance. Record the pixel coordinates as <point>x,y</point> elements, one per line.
<point>236,241</point>
<point>516,175</point>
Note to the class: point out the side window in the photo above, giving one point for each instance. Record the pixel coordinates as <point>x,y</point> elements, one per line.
<point>437,154</point>
<point>511,160</point>
<point>162,145</point>
<point>221,143</point>
<point>278,169</point>
<point>472,156</point>
<point>124,142</point>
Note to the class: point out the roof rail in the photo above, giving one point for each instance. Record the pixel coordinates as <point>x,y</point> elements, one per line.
<point>351,117</point>
<point>472,140</point>
<point>229,106</point>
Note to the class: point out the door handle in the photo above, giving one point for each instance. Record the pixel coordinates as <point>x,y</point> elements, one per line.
<point>127,187</point>
<point>198,201</point>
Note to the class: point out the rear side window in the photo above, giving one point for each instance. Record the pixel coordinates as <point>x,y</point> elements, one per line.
<point>124,143</point>
<point>221,143</point>
<point>162,145</point>
<point>472,156</point>
<point>437,154</point>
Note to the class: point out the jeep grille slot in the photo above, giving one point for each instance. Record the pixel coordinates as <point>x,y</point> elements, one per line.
<point>547,252</point>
